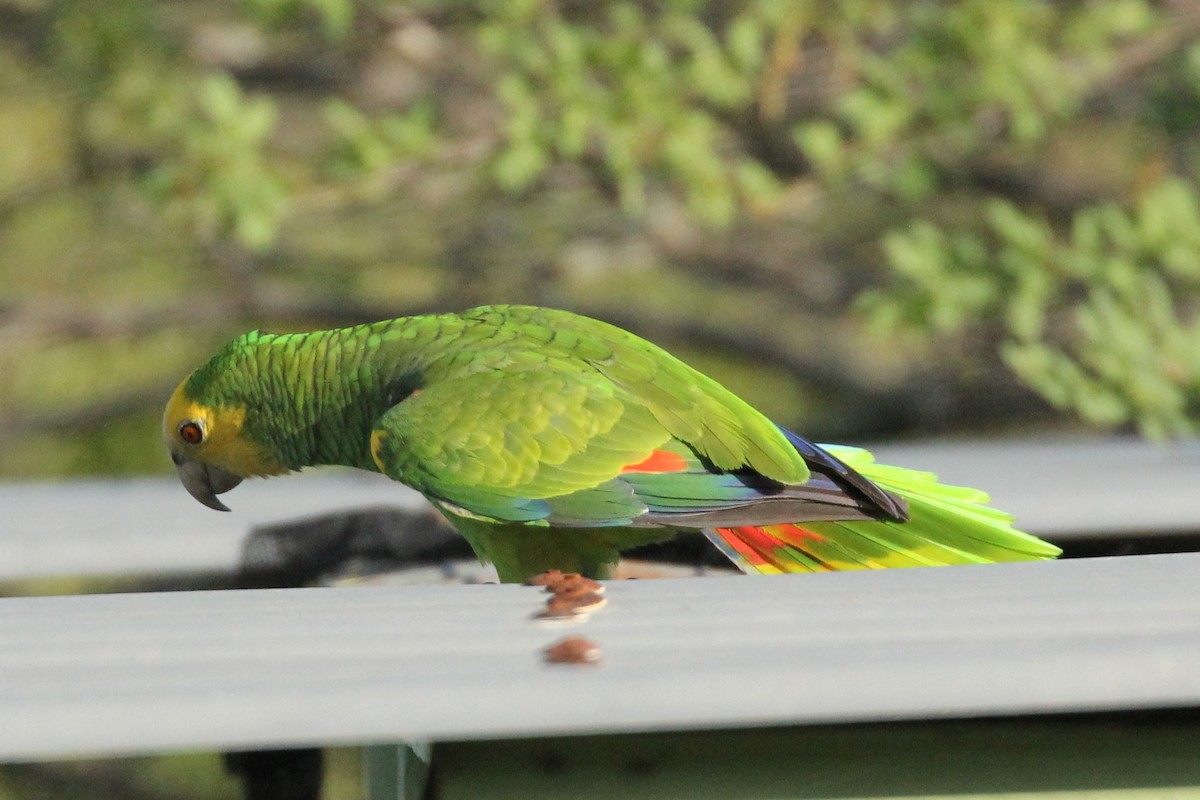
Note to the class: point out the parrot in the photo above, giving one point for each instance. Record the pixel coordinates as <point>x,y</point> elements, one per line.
<point>555,441</point>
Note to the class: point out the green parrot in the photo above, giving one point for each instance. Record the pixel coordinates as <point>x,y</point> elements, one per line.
<point>555,441</point>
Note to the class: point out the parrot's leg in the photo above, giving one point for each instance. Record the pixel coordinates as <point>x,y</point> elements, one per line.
<point>521,551</point>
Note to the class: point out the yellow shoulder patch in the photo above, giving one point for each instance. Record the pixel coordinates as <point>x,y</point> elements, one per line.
<point>377,439</point>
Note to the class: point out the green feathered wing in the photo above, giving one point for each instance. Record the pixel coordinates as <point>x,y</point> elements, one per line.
<point>555,441</point>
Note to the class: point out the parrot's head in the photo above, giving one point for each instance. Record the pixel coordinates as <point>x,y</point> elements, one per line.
<point>209,443</point>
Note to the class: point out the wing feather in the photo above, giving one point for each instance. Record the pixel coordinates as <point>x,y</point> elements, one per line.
<point>535,445</point>
<point>540,423</point>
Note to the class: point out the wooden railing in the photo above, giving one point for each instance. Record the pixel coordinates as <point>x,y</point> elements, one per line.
<point>740,662</point>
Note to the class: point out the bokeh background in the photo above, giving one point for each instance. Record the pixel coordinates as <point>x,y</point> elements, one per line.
<point>871,219</point>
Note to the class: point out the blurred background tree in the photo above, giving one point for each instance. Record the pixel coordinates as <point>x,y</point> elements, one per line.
<point>871,219</point>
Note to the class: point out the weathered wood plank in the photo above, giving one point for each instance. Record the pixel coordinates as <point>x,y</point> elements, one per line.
<point>1058,488</point>
<point>151,526</point>
<point>201,670</point>
<point>1073,488</point>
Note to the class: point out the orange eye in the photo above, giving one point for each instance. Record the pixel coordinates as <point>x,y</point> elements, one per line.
<point>191,432</point>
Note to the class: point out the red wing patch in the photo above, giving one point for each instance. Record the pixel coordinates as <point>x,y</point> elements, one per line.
<point>659,461</point>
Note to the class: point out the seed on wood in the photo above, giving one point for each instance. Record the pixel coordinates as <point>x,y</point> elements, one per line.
<point>545,578</point>
<point>571,604</point>
<point>574,582</point>
<point>556,581</point>
<point>573,650</point>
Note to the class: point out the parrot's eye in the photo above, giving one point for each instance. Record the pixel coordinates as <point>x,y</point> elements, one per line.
<point>191,432</point>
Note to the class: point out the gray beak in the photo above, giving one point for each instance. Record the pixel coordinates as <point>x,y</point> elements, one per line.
<point>204,482</point>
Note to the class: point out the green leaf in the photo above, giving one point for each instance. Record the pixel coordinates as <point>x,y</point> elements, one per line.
<point>519,165</point>
<point>821,142</point>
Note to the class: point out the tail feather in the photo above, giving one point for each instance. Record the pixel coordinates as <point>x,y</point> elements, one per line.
<point>947,525</point>
<point>756,549</point>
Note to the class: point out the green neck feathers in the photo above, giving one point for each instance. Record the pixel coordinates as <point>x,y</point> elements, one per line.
<point>312,398</point>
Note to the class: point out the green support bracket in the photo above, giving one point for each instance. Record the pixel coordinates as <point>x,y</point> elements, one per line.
<point>1110,757</point>
<point>396,771</point>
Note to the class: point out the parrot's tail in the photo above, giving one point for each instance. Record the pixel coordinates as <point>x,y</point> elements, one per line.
<point>946,525</point>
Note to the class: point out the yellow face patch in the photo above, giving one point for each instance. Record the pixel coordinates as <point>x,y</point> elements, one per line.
<point>221,444</point>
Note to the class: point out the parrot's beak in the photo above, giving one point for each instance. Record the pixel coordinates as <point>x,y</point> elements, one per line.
<point>205,482</point>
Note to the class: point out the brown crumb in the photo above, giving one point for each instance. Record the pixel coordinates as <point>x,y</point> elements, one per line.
<point>570,604</point>
<point>573,650</point>
<point>547,578</point>
<point>574,582</point>
<point>557,582</point>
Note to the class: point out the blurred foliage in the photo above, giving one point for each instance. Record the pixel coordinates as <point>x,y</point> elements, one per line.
<point>639,90</point>
<point>186,776</point>
<point>1115,280</point>
<point>869,218</point>
<point>957,80</point>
